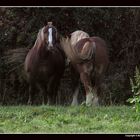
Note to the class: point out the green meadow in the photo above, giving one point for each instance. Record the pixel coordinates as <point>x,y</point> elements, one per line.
<point>58,119</point>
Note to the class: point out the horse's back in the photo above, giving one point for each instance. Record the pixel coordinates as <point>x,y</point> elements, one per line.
<point>99,40</point>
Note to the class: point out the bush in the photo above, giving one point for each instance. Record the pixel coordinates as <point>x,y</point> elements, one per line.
<point>135,86</point>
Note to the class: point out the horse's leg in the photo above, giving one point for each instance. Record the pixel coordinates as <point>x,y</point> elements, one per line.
<point>55,89</point>
<point>45,98</point>
<point>31,94</point>
<point>51,91</point>
<point>75,85</point>
<point>97,87</point>
<point>75,96</point>
<point>95,98</point>
<point>88,88</point>
<point>43,89</point>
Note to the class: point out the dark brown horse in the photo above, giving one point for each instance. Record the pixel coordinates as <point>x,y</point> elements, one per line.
<point>89,58</point>
<point>44,65</point>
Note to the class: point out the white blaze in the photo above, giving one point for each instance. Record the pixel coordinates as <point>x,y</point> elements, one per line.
<point>50,37</point>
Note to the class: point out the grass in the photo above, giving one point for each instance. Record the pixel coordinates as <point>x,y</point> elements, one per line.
<point>81,119</point>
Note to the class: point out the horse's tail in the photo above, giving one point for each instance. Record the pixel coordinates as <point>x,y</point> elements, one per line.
<point>75,55</point>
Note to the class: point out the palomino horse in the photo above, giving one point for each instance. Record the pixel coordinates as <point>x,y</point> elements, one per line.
<point>89,59</point>
<point>44,64</point>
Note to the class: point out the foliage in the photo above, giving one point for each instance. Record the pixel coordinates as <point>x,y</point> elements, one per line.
<point>135,84</point>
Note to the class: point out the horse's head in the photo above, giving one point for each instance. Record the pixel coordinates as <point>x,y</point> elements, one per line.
<point>46,38</point>
<point>50,35</point>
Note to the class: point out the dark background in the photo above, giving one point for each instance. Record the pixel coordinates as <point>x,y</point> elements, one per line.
<point>119,26</point>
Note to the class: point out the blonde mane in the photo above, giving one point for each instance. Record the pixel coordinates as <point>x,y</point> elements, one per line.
<point>40,38</point>
<point>70,47</point>
<point>78,35</point>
